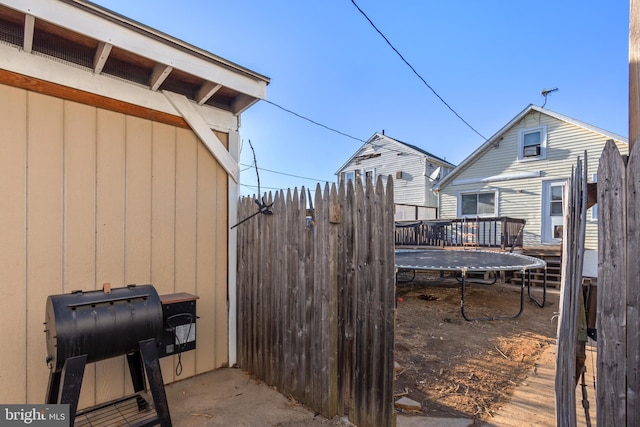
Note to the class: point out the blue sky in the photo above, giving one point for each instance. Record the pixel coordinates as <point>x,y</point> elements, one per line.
<point>487,59</point>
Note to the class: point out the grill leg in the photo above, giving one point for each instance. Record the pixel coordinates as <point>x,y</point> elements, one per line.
<point>151,362</point>
<point>64,386</point>
<point>137,377</point>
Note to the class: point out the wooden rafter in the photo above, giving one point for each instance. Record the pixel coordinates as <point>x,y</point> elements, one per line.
<point>100,57</point>
<point>29,26</point>
<point>158,75</point>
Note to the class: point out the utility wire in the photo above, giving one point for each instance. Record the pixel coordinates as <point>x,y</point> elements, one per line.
<point>313,121</point>
<point>288,174</point>
<point>415,72</point>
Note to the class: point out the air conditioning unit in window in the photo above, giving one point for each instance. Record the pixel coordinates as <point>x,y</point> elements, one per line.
<point>532,151</point>
<point>399,175</point>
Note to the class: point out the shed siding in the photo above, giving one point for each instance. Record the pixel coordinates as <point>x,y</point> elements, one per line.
<point>92,196</point>
<point>522,198</point>
<point>13,261</point>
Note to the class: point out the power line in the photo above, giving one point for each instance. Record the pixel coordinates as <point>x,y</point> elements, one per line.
<point>415,72</point>
<point>287,174</point>
<point>276,188</point>
<point>313,121</point>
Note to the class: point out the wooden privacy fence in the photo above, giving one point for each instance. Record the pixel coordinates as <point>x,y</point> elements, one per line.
<point>572,323</point>
<point>316,299</point>
<point>618,315</point>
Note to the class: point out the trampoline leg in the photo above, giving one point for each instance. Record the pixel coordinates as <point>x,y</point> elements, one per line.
<point>544,289</point>
<point>468,319</point>
<point>462,299</point>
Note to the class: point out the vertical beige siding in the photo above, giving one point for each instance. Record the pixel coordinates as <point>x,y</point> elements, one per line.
<point>90,196</point>
<point>110,232</point>
<point>80,212</point>
<point>205,261</point>
<point>13,263</point>
<point>163,224</point>
<point>44,227</point>
<point>186,230</point>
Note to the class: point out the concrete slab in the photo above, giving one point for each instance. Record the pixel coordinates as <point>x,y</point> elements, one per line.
<point>230,397</point>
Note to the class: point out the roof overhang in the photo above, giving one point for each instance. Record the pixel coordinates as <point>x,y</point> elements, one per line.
<point>101,42</point>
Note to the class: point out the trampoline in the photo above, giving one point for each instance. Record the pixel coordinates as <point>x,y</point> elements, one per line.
<point>463,261</point>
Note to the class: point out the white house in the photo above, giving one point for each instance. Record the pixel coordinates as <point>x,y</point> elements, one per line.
<point>521,171</point>
<point>413,170</point>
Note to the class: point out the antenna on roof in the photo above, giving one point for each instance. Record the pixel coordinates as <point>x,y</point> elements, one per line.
<point>546,92</point>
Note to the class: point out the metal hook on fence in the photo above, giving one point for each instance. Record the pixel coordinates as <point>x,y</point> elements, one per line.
<point>263,208</point>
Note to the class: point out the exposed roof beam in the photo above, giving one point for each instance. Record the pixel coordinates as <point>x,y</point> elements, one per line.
<point>43,68</point>
<point>242,102</point>
<point>158,75</point>
<point>92,21</point>
<point>29,25</point>
<point>100,58</point>
<point>206,91</point>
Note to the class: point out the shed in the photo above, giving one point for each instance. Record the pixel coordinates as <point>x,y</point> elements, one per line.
<point>118,163</point>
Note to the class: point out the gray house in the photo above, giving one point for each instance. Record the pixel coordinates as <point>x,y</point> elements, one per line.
<point>413,170</point>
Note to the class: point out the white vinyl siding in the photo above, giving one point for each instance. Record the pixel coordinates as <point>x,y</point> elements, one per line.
<point>521,198</point>
<point>410,170</point>
<point>532,144</point>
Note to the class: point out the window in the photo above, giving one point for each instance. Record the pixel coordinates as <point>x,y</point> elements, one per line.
<point>477,204</point>
<point>369,174</point>
<point>556,200</point>
<point>349,176</point>
<point>532,144</point>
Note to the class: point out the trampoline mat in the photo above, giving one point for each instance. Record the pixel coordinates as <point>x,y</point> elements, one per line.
<point>461,260</point>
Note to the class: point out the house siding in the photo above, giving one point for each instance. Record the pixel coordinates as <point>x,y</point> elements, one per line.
<point>93,196</point>
<point>414,186</point>
<point>522,198</point>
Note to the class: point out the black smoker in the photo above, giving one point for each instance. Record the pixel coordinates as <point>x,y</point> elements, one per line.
<point>85,327</point>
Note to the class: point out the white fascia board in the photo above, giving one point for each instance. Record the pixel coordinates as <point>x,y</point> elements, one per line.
<point>198,124</point>
<point>232,266</point>
<point>496,178</point>
<point>43,68</point>
<point>89,24</point>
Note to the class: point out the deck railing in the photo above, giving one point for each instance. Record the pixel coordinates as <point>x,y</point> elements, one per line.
<point>495,232</point>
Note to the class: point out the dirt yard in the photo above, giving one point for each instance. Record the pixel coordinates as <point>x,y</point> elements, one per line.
<point>456,368</point>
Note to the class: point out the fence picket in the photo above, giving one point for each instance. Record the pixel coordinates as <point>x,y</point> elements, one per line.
<point>316,304</point>
<point>611,317</point>
<point>633,288</point>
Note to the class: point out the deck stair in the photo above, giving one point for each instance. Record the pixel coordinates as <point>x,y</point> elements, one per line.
<point>553,257</point>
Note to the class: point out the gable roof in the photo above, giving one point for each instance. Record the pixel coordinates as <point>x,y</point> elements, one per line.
<point>490,142</point>
<point>378,136</point>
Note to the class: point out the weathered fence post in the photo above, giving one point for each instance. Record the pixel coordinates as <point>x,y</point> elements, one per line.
<point>612,284</point>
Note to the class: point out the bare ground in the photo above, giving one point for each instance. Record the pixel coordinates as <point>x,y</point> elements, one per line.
<point>456,368</point>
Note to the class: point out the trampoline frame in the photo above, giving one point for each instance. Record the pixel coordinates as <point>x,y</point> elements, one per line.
<point>525,268</point>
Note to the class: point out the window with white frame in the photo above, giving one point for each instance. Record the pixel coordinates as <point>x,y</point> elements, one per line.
<point>349,176</point>
<point>369,174</point>
<point>532,144</point>
<point>477,203</point>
